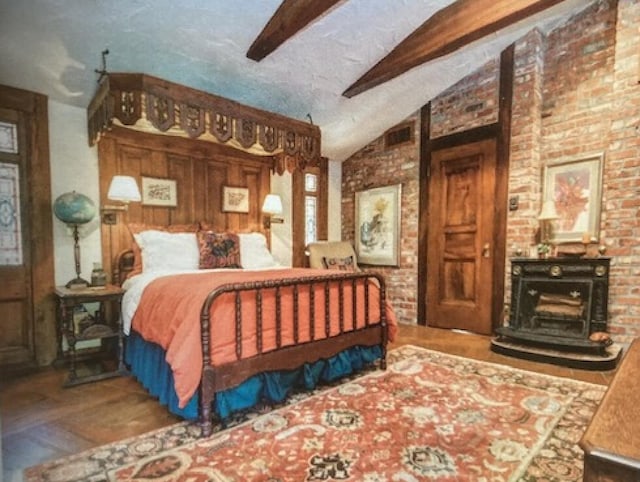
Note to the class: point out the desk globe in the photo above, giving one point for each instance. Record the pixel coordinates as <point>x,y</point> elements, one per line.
<point>73,209</point>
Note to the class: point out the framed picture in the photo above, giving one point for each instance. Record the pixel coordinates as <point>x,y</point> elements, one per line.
<point>575,187</point>
<point>235,199</point>
<point>378,225</point>
<point>159,192</point>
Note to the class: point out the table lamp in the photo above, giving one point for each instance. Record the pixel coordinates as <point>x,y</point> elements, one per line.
<point>74,209</point>
<point>547,215</point>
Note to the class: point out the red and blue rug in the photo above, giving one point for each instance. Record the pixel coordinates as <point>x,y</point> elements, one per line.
<point>429,416</point>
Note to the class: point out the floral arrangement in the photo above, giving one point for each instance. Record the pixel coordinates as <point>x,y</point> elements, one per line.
<point>543,249</point>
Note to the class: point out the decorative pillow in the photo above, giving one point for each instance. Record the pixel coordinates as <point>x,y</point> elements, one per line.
<point>342,264</point>
<point>167,251</point>
<point>254,253</point>
<point>218,250</point>
<point>135,228</point>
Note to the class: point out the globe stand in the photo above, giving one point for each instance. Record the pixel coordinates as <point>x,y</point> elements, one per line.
<point>78,282</point>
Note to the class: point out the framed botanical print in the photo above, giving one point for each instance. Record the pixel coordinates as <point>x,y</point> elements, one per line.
<point>378,225</point>
<point>575,187</point>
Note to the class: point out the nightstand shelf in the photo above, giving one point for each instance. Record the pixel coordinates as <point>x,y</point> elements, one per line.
<point>103,328</point>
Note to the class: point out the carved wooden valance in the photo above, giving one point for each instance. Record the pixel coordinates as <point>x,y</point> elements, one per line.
<point>150,104</point>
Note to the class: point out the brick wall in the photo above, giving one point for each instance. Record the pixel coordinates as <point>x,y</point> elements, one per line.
<point>526,144</point>
<point>621,209</point>
<point>576,93</point>
<point>376,166</point>
<point>472,102</point>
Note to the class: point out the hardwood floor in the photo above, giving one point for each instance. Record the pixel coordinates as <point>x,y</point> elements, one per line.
<point>43,421</point>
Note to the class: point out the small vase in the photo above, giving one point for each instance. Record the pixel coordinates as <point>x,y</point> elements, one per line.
<point>98,275</point>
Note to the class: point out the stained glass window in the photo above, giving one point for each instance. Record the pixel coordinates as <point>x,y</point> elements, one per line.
<point>311,220</point>
<point>310,182</point>
<point>8,137</point>
<point>10,229</point>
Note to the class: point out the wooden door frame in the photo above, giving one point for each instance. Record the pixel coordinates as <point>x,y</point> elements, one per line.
<point>39,218</point>
<point>501,132</point>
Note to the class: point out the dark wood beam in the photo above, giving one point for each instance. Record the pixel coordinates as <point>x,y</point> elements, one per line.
<point>448,30</point>
<point>291,17</point>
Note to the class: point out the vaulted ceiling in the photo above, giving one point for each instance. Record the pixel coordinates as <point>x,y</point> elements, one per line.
<point>353,67</point>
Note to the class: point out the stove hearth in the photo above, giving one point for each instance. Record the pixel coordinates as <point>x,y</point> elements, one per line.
<point>558,312</point>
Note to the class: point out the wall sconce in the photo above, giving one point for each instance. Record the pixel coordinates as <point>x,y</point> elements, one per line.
<point>123,189</point>
<point>272,205</point>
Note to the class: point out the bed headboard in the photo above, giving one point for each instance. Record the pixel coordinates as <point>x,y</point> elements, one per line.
<point>200,169</point>
<point>122,266</point>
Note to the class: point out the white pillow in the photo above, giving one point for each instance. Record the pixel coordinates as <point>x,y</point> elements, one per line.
<point>254,252</point>
<point>168,251</point>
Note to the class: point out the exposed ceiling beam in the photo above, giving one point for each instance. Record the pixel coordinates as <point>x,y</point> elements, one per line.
<point>291,17</point>
<point>448,30</point>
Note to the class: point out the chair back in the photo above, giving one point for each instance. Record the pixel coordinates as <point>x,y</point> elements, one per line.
<point>324,253</point>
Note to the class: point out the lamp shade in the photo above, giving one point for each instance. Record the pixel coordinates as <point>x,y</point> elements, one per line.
<point>548,212</point>
<point>74,208</point>
<point>272,204</point>
<point>124,188</point>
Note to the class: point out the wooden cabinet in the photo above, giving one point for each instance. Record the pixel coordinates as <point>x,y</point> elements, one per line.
<point>100,329</point>
<point>611,442</point>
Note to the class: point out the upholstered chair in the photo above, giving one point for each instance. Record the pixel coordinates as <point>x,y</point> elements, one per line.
<point>338,255</point>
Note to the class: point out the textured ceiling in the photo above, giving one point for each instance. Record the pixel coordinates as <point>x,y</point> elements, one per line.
<point>53,47</point>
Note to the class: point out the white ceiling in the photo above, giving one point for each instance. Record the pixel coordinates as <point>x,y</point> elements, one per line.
<point>54,46</point>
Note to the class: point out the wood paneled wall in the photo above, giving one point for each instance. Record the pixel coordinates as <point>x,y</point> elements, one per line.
<point>200,169</point>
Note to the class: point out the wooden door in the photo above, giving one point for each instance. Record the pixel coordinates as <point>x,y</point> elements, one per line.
<point>27,329</point>
<point>461,247</point>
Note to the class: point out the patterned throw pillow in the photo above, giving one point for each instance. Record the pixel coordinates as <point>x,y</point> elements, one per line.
<point>218,250</point>
<point>342,264</point>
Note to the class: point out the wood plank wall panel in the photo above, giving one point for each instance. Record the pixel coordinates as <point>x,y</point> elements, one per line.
<point>200,169</point>
<point>211,193</point>
<point>181,169</point>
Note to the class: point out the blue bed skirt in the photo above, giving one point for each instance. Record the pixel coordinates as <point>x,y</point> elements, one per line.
<point>147,363</point>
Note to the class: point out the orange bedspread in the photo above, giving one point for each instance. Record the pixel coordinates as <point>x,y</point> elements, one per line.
<point>169,315</point>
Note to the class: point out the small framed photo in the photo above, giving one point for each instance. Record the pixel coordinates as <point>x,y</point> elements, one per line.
<point>159,192</point>
<point>235,199</point>
<point>378,225</point>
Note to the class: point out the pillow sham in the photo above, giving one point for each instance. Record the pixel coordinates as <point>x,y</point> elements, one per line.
<point>161,250</point>
<point>135,228</point>
<point>342,264</point>
<point>254,253</point>
<point>218,250</point>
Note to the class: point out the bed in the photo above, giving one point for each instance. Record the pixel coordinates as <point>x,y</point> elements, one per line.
<point>215,330</point>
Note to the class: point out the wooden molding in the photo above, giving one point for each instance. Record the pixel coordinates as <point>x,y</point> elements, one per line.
<point>149,104</point>
<point>448,30</point>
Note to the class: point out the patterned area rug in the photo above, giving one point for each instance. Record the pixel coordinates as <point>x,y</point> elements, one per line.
<point>429,416</point>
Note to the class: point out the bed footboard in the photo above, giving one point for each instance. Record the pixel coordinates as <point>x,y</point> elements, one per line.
<point>343,289</point>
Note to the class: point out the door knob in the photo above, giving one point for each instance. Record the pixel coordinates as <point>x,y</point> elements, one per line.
<point>486,250</point>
